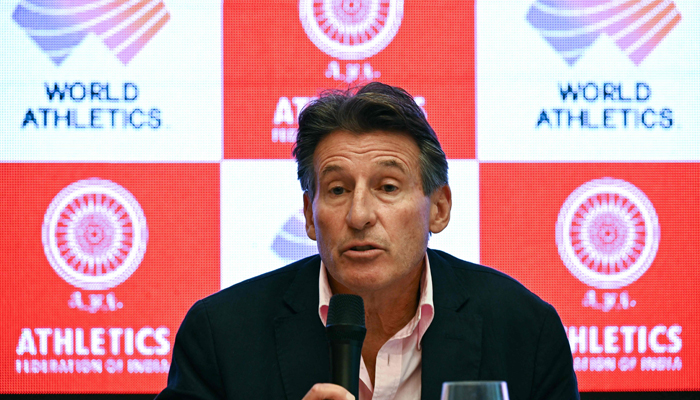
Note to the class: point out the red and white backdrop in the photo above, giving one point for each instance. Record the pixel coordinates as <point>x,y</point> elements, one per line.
<point>145,163</point>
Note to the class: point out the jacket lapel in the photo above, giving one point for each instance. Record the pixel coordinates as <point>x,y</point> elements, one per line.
<point>452,343</point>
<point>302,349</point>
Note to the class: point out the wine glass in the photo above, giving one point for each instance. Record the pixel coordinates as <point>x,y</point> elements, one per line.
<point>475,390</point>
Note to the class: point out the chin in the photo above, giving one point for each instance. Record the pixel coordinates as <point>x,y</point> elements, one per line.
<point>364,282</point>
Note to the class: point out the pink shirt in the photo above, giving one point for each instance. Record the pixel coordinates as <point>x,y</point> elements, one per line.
<point>398,367</point>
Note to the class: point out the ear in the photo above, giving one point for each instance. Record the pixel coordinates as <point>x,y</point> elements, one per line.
<point>440,207</point>
<point>309,215</point>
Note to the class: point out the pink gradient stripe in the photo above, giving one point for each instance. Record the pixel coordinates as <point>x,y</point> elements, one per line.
<point>632,37</point>
<point>629,20</point>
<point>130,51</point>
<point>126,32</point>
<point>638,55</point>
<point>110,23</point>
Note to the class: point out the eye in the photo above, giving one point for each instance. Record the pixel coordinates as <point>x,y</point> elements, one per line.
<point>337,190</point>
<point>389,188</point>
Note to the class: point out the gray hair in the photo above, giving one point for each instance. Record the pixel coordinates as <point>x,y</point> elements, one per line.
<point>373,107</point>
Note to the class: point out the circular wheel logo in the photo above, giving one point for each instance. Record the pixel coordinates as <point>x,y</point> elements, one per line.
<point>94,234</point>
<point>607,233</point>
<point>351,29</point>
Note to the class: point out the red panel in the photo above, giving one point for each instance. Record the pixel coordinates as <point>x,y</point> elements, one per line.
<point>180,203</point>
<point>520,207</point>
<point>268,55</point>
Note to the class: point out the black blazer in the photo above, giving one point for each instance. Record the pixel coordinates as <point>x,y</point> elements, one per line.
<point>263,338</point>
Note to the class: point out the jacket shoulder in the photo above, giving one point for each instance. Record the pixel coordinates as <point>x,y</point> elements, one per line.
<point>260,290</point>
<point>491,287</point>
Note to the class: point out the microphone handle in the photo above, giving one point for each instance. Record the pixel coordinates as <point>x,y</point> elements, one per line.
<point>345,364</point>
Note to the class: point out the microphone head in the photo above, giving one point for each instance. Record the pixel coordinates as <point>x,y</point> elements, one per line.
<point>346,309</point>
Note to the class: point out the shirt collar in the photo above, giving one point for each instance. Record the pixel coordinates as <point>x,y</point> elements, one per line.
<point>424,312</point>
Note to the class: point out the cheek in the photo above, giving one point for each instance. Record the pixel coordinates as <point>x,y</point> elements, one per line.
<point>409,225</point>
<point>416,215</point>
<point>325,224</point>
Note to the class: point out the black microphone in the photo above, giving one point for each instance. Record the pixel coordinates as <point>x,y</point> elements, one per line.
<point>345,329</point>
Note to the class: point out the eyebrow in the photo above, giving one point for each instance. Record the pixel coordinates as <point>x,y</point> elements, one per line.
<point>392,164</point>
<point>331,168</point>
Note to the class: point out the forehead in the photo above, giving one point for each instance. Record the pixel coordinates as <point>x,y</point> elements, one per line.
<point>374,147</point>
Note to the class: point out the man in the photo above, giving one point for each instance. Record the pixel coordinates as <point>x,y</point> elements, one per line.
<point>375,187</point>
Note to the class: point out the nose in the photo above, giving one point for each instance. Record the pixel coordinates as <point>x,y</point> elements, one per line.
<point>361,214</point>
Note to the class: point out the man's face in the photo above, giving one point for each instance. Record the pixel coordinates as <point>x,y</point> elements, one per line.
<point>369,214</point>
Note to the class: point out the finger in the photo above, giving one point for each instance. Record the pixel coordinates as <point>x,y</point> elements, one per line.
<point>328,391</point>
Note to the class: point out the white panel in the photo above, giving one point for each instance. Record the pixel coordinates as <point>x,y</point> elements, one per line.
<point>261,218</point>
<point>519,75</point>
<point>178,73</point>
<point>461,237</point>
